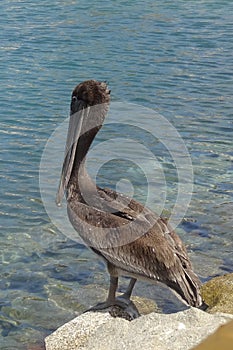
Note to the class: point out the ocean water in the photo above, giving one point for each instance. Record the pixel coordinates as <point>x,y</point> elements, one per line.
<point>173,58</point>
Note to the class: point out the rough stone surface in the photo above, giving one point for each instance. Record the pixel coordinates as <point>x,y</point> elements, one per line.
<point>99,331</point>
<point>75,334</point>
<point>218,294</point>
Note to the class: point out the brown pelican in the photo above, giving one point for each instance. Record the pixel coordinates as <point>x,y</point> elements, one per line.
<point>133,241</point>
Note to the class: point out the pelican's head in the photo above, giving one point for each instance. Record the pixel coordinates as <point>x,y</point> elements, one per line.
<point>89,93</point>
<point>88,108</point>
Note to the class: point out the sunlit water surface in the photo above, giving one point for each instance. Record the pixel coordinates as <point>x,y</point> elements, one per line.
<point>172,57</point>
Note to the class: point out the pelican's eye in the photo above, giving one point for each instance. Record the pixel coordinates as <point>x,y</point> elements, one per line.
<point>74,98</point>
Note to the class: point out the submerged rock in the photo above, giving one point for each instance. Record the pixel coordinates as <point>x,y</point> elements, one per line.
<point>99,331</point>
<point>218,294</point>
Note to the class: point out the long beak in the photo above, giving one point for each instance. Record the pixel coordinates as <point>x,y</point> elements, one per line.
<point>74,131</point>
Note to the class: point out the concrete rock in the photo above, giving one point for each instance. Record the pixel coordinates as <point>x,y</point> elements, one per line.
<point>99,331</point>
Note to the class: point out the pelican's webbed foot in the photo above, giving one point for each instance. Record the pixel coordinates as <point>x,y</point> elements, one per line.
<point>124,308</point>
<point>100,306</point>
<point>120,307</point>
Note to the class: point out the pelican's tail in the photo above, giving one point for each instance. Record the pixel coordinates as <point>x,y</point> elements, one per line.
<point>187,286</point>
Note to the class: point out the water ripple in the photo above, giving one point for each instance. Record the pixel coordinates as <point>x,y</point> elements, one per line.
<point>174,58</point>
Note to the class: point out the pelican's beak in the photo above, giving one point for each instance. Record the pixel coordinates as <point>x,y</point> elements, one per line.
<point>74,132</point>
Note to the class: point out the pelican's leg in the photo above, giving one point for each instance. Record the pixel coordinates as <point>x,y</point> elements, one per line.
<point>130,310</point>
<point>111,298</point>
<point>129,289</point>
<point>121,306</point>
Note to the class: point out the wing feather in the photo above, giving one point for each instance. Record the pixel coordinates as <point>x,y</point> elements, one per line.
<point>136,242</point>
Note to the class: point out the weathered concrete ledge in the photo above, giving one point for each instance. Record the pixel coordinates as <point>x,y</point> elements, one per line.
<point>99,331</point>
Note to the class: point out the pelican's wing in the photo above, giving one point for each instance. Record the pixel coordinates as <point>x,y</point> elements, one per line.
<point>158,255</point>
<point>136,242</point>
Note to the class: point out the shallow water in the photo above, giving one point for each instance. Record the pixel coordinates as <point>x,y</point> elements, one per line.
<point>174,58</point>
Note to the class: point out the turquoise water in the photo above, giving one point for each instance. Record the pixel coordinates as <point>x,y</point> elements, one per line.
<point>173,57</point>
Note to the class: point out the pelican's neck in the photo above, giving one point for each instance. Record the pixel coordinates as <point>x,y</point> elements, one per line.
<point>80,179</point>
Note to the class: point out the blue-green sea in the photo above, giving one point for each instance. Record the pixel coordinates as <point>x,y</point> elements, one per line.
<point>173,57</point>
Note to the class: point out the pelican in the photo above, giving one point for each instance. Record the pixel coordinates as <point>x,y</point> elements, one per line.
<point>133,240</point>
